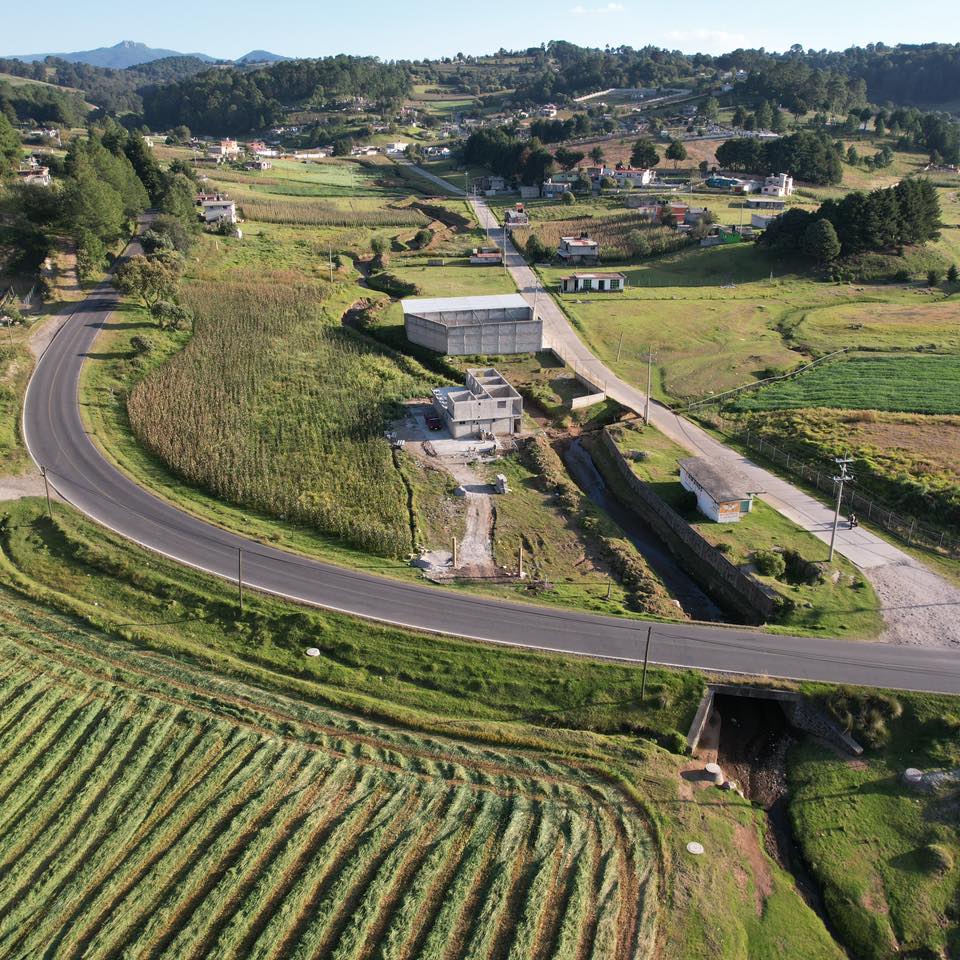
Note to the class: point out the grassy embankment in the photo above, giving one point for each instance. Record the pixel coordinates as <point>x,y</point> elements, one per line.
<point>848,607</point>
<point>885,854</point>
<point>561,798</point>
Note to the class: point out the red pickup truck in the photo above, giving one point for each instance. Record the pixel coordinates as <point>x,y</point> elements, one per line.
<point>433,422</point>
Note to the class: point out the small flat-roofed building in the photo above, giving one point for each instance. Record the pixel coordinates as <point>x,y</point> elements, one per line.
<point>778,185</point>
<point>578,249</point>
<point>586,282</point>
<point>216,211</point>
<point>486,257</point>
<point>553,189</point>
<point>762,220</point>
<point>462,326</point>
<point>723,495</point>
<point>486,404</point>
<point>766,203</point>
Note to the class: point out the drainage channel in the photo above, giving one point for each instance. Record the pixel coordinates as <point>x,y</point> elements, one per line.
<point>692,599</point>
<point>753,729</point>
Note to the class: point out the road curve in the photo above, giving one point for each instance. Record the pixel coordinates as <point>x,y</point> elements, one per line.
<point>57,440</point>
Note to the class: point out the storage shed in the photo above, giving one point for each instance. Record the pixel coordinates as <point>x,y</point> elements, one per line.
<point>463,326</point>
<point>723,494</point>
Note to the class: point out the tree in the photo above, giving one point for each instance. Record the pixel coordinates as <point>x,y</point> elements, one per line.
<point>676,152</point>
<point>170,315</point>
<point>879,127</point>
<point>933,277</point>
<point>763,115</point>
<point>565,197</point>
<point>739,116</point>
<point>91,207</point>
<point>704,168</point>
<point>853,156</point>
<point>596,155</point>
<point>820,242</point>
<point>953,274</point>
<point>379,246</point>
<point>567,159</point>
<point>9,146</point>
<point>582,185</point>
<point>152,279</point>
<point>710,109</point>
<point>608,183</point>
<point>423,237</point>
<point>777,123</point>
<point>644,154</point>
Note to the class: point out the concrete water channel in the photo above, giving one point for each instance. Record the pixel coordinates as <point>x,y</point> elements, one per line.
<point>692,598</point>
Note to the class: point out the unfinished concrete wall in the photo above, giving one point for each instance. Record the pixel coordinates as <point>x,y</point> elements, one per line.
<point>477,339</point>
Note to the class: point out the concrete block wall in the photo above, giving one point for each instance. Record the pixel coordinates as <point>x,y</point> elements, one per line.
<point>492,339</point>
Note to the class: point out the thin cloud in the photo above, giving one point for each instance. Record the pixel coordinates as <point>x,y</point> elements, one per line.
<point>717,39</point>
<point>581,10</point>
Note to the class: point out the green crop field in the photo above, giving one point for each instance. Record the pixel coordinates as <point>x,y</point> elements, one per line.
<point>899,383</point>
<point>151,809</point>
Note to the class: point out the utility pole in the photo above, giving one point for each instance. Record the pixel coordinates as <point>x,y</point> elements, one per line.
<point>646,657</point>
<point>619,346</point>
<point>240,576</point>
<point>520,560</point>
<point>330,261</point>
<point>842,463</point>
<point>646,405</point>
<point>456,554</point>
<point>46,490</point>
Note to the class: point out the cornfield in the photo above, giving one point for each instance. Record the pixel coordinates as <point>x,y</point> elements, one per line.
<point>327,213</point>
<point>152,809</point>
<point>612,232</point>
<point>273,406</point>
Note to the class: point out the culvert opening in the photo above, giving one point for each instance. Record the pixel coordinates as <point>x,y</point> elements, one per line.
<point>753,730</point>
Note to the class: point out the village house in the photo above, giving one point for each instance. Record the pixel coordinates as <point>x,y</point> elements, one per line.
<point>579,249</point>
<point>487,404</point>
<point>635,176</point>
<point>35,173</point>
<point>259,164</point>
<point>589,282</point>
<point>553,189</point>
<point>766,203</point>
<point>517,217</point>
<point>548,110</point>
<point>779,185</point>
<point>486,257</point>
<point>218,211</point>
<point>489,186</point>
<point>724,495</point>
<point>225,150</point>
<point>395,149</point>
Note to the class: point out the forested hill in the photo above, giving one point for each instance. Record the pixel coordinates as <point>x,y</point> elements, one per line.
<point>232,101</point>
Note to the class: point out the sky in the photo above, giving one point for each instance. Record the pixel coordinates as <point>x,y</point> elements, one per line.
<point>416,29</point>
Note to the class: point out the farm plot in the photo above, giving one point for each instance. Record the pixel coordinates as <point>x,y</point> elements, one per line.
<point>902,383</point>
<point>343,214</point>
<point>273,406</point>
<point>152,809</point>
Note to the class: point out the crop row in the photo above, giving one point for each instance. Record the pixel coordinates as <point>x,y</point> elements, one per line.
<point>135,824</point>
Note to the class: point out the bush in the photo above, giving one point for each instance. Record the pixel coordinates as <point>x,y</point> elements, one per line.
<point>141,345</point>
<point>567,197</point>
<point>864,714</point>
<point>769,563</point>
<point>934,276</point>
<point>392,285</point>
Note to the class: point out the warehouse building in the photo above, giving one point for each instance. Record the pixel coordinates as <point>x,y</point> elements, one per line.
<point>464,326</point>
<point>487,404</point>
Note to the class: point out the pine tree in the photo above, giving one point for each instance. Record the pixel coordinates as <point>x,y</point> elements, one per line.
<point>820,242</point>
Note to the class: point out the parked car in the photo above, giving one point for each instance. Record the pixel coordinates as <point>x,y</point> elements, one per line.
<point>434,422</point>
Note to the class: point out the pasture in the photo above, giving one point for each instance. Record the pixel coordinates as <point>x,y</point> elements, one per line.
<point>911,383</point>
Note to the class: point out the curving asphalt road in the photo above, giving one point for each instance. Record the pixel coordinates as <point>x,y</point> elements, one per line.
<point>57,441</point>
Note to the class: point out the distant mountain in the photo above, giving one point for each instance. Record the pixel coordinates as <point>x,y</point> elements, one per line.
<point>260,56</point>
<point>127,53</point>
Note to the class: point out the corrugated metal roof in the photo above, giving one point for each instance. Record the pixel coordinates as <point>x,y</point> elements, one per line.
<point>504,301</point>
<point>721,483</point>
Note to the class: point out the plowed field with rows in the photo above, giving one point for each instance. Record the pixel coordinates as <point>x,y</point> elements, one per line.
<point>151,809</point>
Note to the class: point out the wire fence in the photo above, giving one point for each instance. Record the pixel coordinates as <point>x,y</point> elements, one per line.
<point>909,529</point>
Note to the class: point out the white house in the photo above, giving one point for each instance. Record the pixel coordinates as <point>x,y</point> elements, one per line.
<point>587,282</point>
<point>636,176</point>
<point>216,211</point>
<point>579,249</point>
<point>724,495</point>
<point>225,150</point>
<point>34,173</point>
<point>548,110</point>
<point>394,149</point>
<point>779,185</point>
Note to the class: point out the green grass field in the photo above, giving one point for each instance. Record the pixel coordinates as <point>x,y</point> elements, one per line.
<point>901,383</point>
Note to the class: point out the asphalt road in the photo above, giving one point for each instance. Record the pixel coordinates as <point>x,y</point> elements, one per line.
<point>57,441</point>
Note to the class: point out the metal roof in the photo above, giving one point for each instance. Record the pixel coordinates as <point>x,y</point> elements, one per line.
<point>504,301</point>
<point>722,484</point>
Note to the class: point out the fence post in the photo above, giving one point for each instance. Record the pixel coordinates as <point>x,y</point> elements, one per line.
<point>913,523</point>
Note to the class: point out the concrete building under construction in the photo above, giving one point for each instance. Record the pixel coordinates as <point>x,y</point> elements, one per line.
<point>487,404</point>
<point>465,326</point>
